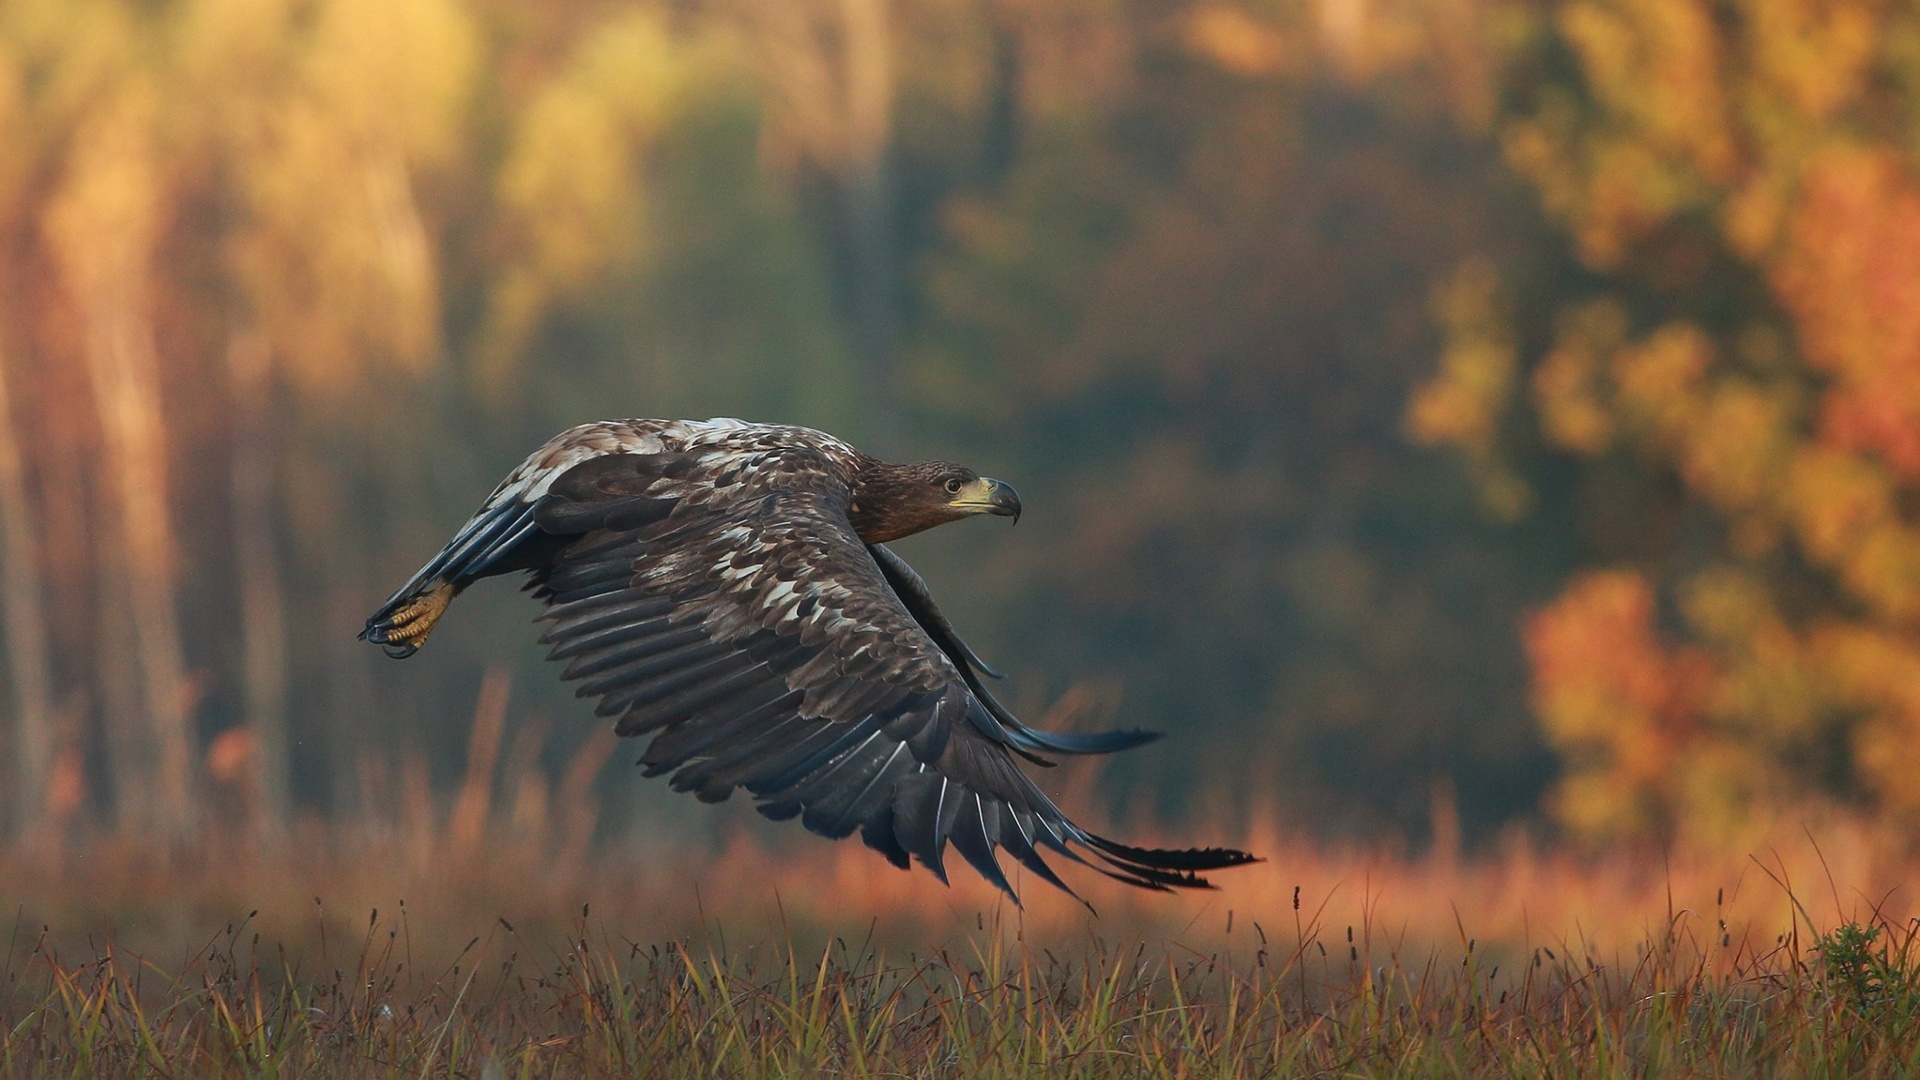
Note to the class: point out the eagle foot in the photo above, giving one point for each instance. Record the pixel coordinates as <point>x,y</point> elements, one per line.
<point>407,627</point>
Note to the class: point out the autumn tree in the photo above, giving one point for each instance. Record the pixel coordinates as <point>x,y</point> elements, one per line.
<point>1724,377</point>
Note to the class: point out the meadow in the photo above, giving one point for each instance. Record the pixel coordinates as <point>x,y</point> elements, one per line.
<point>406,948</point>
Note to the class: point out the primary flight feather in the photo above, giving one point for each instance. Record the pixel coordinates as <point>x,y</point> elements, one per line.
<point>725,588</point>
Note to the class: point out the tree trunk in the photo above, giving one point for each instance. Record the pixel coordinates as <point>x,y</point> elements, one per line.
<point>129,743</point>
<point>125,373</point>
<point>104,227</point>
<point>25,629</point>
<point>256,559</point>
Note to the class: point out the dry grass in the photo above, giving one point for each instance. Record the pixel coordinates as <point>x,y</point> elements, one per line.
<point>484,935</point>
<point>1259,1006</point>
<point>409,950</point>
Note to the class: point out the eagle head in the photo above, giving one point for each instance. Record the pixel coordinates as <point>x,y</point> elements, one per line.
<point>892,501</point>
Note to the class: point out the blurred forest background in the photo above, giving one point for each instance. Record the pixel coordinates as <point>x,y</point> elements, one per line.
<point>1503,404</point>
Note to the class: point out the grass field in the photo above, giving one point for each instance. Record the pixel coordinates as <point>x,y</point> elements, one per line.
<point>416,951</point>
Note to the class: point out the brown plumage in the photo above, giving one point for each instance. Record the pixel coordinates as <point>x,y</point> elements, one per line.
<point>724,588</point>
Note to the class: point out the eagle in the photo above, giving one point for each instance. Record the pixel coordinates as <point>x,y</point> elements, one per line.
<point>725,587</point>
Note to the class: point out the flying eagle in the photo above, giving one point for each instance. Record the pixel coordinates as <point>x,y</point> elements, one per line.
<point>726,588</point>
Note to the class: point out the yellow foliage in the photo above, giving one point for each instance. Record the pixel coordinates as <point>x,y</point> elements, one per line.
<point>1657,69</point>
<point>1812,54</point>
<point>1660,380</point>
<point>1734,452</point>
<point>1766,695</point>
<point>1659,735</point>
<point>1462,404</point>
<point>337,245</point>
<point>1235,41</point>
<point>1656,64</point>
<point>1718,788</point>
<point>104,223</point>
<point>572,188</point>
<point>1835,499</point>
<point>16,166</point>
<point>1619,703</point>
<point>1877,672</point>
<point>1727,605</point>
<point>398,72</point>
<point>1592,803</point>
<point>1566,385</point>
<point>1884,572</point>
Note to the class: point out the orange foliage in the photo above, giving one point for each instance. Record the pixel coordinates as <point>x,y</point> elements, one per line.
<point>1747,364</point>
<point>1851,278</point>
<point>1623,707</point>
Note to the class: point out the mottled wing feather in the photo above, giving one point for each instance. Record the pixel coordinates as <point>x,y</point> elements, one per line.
<point>502,535</point>
<point>719,600</point>
<point>705,584</point>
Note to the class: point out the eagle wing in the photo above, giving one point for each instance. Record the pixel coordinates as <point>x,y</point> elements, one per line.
<point>1028,742</point>
<point>724,605</point>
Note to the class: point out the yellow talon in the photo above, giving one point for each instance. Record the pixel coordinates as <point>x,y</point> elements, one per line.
<point>413,621</point>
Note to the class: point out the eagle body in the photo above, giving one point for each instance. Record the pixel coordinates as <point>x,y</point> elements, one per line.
<point>724,588</point>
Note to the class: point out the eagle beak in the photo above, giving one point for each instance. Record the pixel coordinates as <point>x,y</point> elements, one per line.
<point>989,496</point>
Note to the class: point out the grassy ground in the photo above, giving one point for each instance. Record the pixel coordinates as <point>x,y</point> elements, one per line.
<point>393,953</point>
<point>488,937</point>
<point>606,1006</point>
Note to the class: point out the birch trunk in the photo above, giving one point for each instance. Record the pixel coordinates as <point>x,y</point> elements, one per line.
<point>104,227</point>
<point>25,628</point>
<point>125,373</point>
<point>130,748</point>
<point>262,601</point>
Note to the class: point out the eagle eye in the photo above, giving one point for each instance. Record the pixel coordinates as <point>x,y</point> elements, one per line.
<point>953,485</point>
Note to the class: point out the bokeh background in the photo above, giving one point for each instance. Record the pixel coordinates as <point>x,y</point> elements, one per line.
<point>1442,417</point>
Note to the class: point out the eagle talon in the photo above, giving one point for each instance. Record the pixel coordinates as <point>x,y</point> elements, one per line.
<point>401,633</point>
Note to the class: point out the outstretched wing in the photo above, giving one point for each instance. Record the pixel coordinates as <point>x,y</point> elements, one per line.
<point>502,537</point>
<point>726,607</point>
<point>1028,742</point>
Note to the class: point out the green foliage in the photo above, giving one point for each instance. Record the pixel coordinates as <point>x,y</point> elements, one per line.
<point>1865,967</point>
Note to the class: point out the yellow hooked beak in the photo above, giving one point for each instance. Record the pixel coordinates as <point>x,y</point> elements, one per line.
<point>988,496</point>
